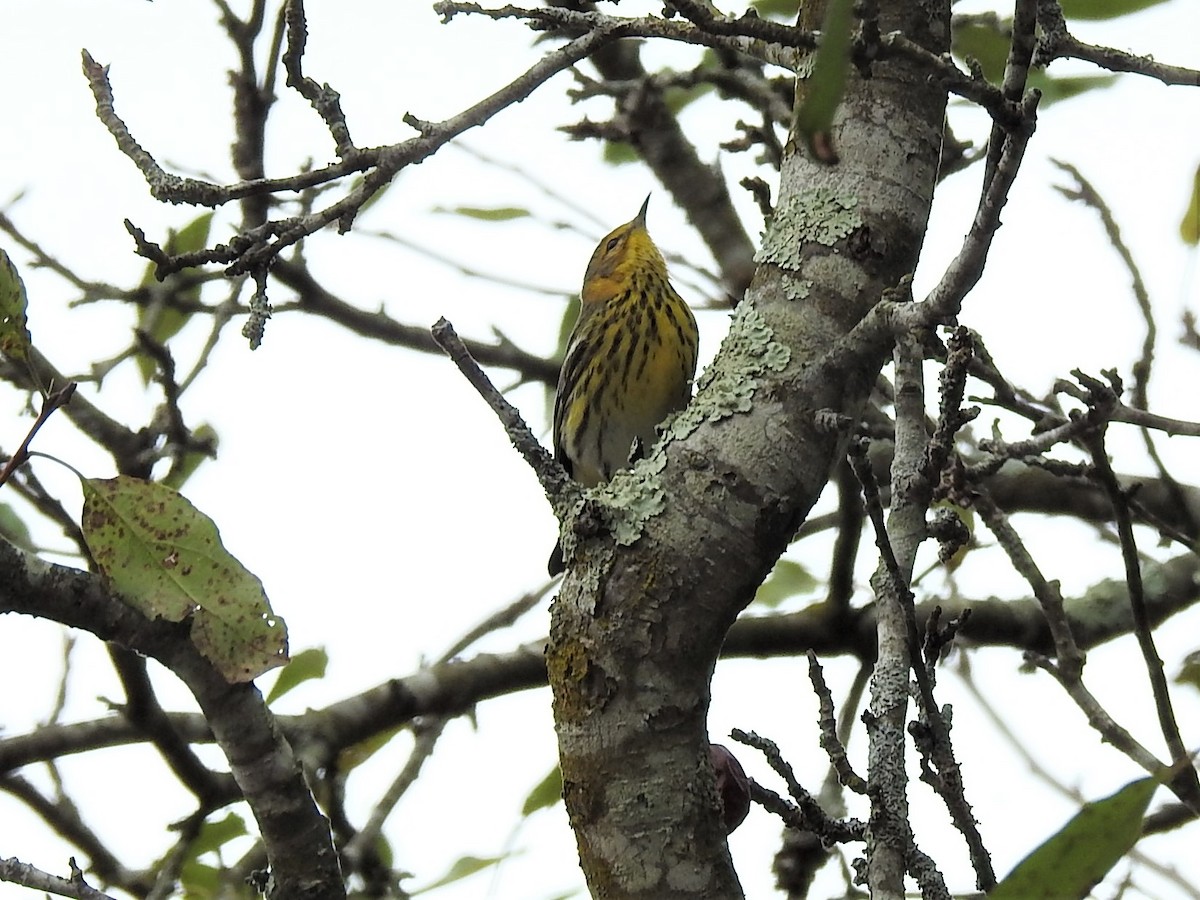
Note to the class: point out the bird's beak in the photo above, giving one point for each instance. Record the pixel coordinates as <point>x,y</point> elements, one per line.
<point>640,219</point>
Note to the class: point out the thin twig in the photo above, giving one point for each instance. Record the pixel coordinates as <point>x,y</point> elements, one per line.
<point>43,258</point>
<point>365,842</point>
<point>169,867</point>
<point>917,468</point>
<point>1085,192</point>
<point>813,817</point>
<point>254,248</point>
<point>65,820</point>
<point>1122,61</point>
<point>1020,747</point>
<point>830,741</point>
<point>1058,43</point>
<point>1070,657</point>
<point>1100,719</point>
<point>1016,73</point>
<point>324,99</point>
<point>1068,668</point>
<point>889,832</point>
<point>1185,782</point>
<point>501,618</point>
<point>945,300</point>
<point>16,872</point>
<point>846,541</point>
<point>561,490</point>
<point>53,401</point>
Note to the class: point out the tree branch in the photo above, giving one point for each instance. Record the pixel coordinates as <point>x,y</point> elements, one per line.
<point>1057,43</point>
<point>17,872</point>
<point>295,834</point>
<point>561,490</point>
<point>1184,781</point>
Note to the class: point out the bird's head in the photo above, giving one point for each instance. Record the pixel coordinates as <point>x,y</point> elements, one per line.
<point>623,253</point>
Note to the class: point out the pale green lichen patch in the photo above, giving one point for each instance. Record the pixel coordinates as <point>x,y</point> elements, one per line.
<point>749,351</point>
<point>632,497</point>
<point>727,386</point>
<point>797,288</point>
<point>822,216</point>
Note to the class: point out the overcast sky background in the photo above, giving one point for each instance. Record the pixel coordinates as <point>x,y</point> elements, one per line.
<point>378,499</point>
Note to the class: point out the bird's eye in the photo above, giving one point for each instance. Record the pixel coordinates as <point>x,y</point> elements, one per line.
<point>613,243</point>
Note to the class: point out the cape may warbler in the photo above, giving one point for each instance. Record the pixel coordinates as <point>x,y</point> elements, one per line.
<point>629,363</point>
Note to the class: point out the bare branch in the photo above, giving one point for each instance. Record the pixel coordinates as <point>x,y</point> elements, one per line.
<point>254,248</point>
<point>1058,43</point>
<point>812,816</point>
<point>315,298</point>
<point>65,820</point>
<point>971,86</point>
<point>52,402</point>
<point>763,39</point>
<point>830,742</point>
<point>1184,781</point>
<point>16,872</point>
<point>143,711</point>
<point>944,301</point>
<point>295,834</point>
<point>560,488</point>
<point>324,99</point>
<point>456,686</point>
<point>1070,657</point>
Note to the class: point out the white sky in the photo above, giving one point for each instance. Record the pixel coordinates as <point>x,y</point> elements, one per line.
<point>379,501</point>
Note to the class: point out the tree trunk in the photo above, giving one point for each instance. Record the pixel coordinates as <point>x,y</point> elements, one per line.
<point>672,551</point>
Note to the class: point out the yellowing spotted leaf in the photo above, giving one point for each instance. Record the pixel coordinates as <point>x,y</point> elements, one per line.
<point>14,329</point>
<point>165,558</point>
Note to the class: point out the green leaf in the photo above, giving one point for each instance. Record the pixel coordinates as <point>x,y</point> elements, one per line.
<point>487,214</point>
<point>204,434</point>
<point>215,835</point>
<point>1104,9</point>
<point>191,237</point>
<point>986,42</point>
<point>356,184</point>
<point>1076,859</point>
<point>14,302</point>
<point>467,865</point>
<point>786,580</point>
<point>618,153</point>
<point>776,8</point>
<point>1190,672</point>
<point>383,850</point>
<point>565,327</point>
<point>676,99</point>
<point>1189,225</point>
<point>357,754</point>
<point>304,666</point>
<point>14,530</point>
<point>1055,89</point>
<point>162,321</point>
<point>165,558</point>
<point>200,881</point>
<point>823,89</point>
<point>545,793</point>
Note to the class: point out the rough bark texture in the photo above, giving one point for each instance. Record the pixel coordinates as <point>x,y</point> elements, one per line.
<point>669,553</point>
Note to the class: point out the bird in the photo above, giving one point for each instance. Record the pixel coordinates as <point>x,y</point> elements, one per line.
<point>630,360</point>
